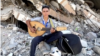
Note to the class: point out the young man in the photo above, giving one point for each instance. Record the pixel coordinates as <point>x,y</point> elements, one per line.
<point>49,36</point>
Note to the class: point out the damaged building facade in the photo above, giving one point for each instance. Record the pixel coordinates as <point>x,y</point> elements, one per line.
<point>81,17</point>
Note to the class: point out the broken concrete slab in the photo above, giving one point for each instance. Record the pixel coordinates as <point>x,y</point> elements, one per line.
<point>6,13</point>
<point>54,14</point>
<point>91,36</point>
<point>67,6</point>
<point>1,5</point>
<point>55,4</point>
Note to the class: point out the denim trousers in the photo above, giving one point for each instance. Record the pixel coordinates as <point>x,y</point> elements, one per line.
<point>47,38</point>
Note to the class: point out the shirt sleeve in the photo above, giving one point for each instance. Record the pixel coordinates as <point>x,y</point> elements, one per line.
<point>35,19</point>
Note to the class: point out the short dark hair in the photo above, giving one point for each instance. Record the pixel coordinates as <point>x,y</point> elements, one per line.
<point>45,6</point>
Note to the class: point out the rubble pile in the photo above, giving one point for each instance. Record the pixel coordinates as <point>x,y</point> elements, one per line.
<point>14,41</point>
<point>78,17</point>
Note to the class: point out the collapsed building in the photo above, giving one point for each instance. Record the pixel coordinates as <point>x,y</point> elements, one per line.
<point>79,16</point>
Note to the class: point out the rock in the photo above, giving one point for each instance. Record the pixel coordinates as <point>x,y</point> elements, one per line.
<point>4,51</point>
<point>90,53</point>
<point>55,4</point>
<point>44,48</point>
<point>98,40</point>
<point>1,53</point>
<point>84,43</point>
<point>11,54</point>
<point>80,54</point>
<point>15,28</point>
<point>19,55</point>
<point>12,46</point>
<point>10,26</point>
<point>66,32</point>
<point>73,6</point>
<point>98,34</point>
<point>1,6</point>
<point>91,36</point>
<point>84,51</point>
<point>1,26</point>
<point>96,49</point>
<point>90,45</point>
<point>55,51</point>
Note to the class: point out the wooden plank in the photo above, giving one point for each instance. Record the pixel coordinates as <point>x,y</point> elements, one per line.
<point>67,6</point>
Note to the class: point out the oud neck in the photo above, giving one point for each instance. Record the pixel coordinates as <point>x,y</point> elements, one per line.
<point>45,29</point>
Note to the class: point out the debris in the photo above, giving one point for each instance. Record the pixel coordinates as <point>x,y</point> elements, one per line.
<point>55,4</point>
<point>55,51</point>
<point>1,6</point>
<point>91,36</point>
<point>11,54</point>
<point>84,43</point>
<point>10,26</point>
<point>1,26</point>
<point>77,16</point>
<point>67,6</point>
<point>96,49</point>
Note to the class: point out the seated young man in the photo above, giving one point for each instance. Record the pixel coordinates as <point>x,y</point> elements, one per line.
<point>49,36</point>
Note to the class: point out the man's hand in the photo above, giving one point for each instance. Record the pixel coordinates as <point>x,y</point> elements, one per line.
<point>52,30</point>
<point>33,30</point>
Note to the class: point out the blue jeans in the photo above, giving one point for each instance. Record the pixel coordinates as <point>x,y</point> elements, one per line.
<point>48,39</point>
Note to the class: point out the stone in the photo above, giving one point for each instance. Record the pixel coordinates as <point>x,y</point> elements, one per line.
<point>4,51</point>
<point>73,6</point>
<point>55,4</point>
<point>1,53</point>
<point>44,48</point>
<point>98,40</point>
<point>96,49</point>
<point>84,43</point>
<point>67,5</point>
<point>15,28</point>
<point>20,55</point>
<point>55,51</point>
<point>66,32</point>
<point>80,54</point>
<point>1,6</point>
<point>84,51</point>
<point>90,53</point>
<point>98,34</point>
<point>11,54</point>
<point>91,36</point>
<point>10,26</point>
<point>1,26</point>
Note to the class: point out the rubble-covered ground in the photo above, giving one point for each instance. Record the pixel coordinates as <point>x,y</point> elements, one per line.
<point>15,41</point>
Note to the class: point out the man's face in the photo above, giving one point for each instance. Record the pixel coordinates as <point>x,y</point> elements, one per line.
<point>45,12</point>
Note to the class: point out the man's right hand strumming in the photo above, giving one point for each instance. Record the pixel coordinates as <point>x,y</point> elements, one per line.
<point>33,30</point>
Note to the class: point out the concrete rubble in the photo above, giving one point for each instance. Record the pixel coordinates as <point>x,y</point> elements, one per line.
<point>16,43</point>
<point>78,17</point>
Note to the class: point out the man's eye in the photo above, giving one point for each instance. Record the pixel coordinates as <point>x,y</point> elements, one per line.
<point>45,11</point>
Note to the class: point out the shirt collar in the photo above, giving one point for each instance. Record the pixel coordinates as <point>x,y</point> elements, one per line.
<point>43,19</point>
